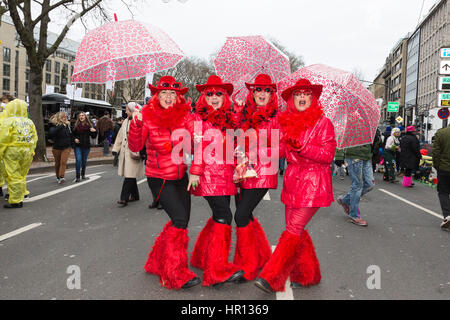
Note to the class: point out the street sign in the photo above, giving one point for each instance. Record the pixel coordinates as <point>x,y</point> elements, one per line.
<point>444,99</point>
<point>443,113</point>
<point>444,84</point>
<point>445,53</point>
<point>399,119</point>
<point>393,106</point>
<point>445,67</point>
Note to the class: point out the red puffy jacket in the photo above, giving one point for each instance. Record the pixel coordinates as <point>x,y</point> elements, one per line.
<point>308,180</point>
<point>216,179</point>
<point>266,167</point>
<point>159,145</point>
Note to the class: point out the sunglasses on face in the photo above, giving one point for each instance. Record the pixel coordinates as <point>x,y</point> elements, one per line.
<point>259,89</point>
<point>217,93</point>
<point>168,85</point>
<point>303,92</point>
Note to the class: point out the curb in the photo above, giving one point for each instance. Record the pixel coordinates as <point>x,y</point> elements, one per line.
<point>70,165</point>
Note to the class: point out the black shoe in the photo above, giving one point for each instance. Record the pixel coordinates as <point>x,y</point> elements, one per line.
<point>77,180</point>
<point>13,205</point>
<point>264,285</point>
<point>191,283</point>
<point>122,203</point>
<point>153,205</point>
<point>83,177</point>
<point>281,172</point>
<point>235,277</point>
<point>160,207</point>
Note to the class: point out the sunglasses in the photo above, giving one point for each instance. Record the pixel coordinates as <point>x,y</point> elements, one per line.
<point>168,85</point>
<point>259,89</point>
<point>217,93</point>
<point>303,92</point>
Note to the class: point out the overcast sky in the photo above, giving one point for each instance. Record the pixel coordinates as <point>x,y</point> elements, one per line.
<point>345,34</point>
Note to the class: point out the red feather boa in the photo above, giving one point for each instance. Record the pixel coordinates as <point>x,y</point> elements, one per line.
<point>253,117</point>
<point>221,118</point>
<point>166,118</point>
<point>294,123</point>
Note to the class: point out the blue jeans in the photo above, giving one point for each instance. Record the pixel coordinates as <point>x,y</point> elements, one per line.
<point>361,173</point>
<point>81,156</point>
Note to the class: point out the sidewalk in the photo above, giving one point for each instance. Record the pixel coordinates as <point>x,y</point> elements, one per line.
<point>95,157</point>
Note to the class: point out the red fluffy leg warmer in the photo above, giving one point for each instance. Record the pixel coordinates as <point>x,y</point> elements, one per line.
<point>174,259</point>
<point>199,253</point>
<point>307,268</point>
<point>264,248</point>
<point>246,256</point>
<point>278,268</point>
<point>217,267</point>
<point>252,249</point>
<point>154,257</point>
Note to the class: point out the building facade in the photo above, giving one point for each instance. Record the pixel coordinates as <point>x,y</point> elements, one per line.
<point>435,35</point>
<point>412,77</point>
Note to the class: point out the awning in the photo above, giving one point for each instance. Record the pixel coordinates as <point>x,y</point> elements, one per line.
<point>55,98</point>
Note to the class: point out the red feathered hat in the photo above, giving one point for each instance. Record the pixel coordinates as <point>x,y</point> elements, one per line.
<point>168,83</point>
<point>262,80</point>
<point>302,84</point>
<point>216,82</point>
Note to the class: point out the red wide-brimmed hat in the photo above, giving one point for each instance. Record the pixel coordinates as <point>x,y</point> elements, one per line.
<point>262,80</point>
<point>168,83</point>
<point>216,82</point>
<point>410,129</point>
<point>302,84</point>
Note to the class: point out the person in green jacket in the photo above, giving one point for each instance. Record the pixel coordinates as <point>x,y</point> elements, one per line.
<point>441,161</point>
<point>359,162</point>
<point>339,163</point>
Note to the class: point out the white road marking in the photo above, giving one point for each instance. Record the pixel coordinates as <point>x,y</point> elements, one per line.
<point>267,196</point>
<point>19,231</point>
<point>92,178</point>
<point>142,181</point>
<point>288,294</point>
<point>413,204</point>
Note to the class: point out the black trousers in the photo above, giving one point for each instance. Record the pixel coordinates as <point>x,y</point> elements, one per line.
<point>246,203</point>
<point>443,189</point>
<point>220,206</point>
<point>129,189</point>
<point>174,198</point>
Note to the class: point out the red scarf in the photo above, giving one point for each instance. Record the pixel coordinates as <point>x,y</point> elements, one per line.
<point>295,123</point>
<point>253,117</point>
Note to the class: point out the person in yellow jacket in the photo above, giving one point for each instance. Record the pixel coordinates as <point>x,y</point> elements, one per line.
<point>18,138</point>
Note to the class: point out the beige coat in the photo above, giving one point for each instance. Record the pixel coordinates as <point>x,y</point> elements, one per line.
<point>128,167</point>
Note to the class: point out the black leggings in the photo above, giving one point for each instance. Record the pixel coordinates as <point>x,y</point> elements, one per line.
<point>220,206</point>
<point>246,203</point>
<point>174,198</point>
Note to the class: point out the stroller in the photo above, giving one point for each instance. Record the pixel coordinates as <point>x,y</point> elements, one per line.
<point>425,167</point>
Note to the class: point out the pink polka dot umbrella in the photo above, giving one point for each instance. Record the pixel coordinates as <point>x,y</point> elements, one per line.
<point>346,101</point>
<point>241,59</point>
<point>124,50</point>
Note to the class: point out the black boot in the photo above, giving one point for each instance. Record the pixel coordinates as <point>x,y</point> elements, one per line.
<point>77,179</point>
<point>83,173</point>
<point>13,205</point>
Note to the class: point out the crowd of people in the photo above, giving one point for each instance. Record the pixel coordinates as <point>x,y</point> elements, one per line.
<point>144,143</point>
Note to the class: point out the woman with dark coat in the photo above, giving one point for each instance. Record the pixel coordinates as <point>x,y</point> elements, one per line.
<point>62,144</point>
<point>310,143</point>
<point>166,112</point>
<point>82,132</point>
<point>212,178</point>
<point>409,155</point>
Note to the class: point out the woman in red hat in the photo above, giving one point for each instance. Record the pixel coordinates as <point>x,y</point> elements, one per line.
<point>260,112</point>
<point>212,178</point>
<point>310,144</point>
<point>166,111</point>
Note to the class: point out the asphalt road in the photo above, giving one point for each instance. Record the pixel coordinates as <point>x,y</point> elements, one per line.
<point>80,231</point>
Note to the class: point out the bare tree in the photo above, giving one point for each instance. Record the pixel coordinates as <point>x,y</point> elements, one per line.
<point>190,72</point>
<point>32,16</point>
<point>295,60</point>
